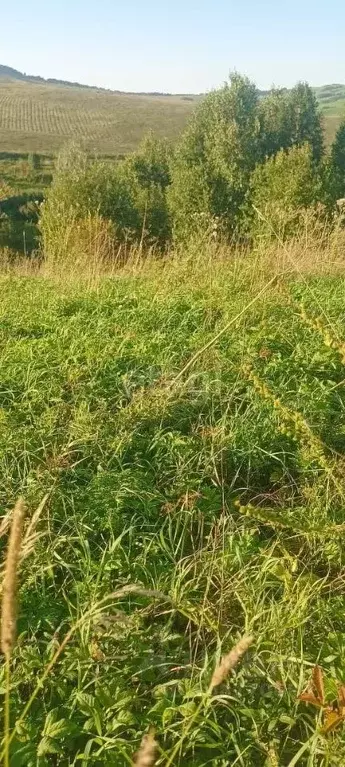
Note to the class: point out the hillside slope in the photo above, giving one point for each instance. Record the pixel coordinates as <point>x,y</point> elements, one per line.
<point>38,115</point>
<point>41,117</point>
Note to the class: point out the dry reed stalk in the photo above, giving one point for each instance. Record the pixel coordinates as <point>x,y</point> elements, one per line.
<point>5,523</point>
<point>9,593</point>
<point>230,661</point>
<point>29,538</point>
<point>146,756</point>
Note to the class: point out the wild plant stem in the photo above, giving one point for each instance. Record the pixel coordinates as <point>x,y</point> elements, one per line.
<point>188,728</point>
<point>7,739</point>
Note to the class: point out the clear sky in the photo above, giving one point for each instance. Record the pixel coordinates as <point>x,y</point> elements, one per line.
<point>175,45</point>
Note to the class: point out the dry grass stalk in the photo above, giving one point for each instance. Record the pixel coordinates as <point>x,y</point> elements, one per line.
<point>5,523</point>
<point>146,756</point>
<point>9,595</point>
<point>230,661</point>
<point>29,538</point>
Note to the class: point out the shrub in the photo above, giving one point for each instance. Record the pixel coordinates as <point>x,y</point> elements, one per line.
<point>147,173</point>
<point>80,189</point>
<point>281,189</point>
<point>205,185</point>
<point>130,195</point>
<point>230,133</point>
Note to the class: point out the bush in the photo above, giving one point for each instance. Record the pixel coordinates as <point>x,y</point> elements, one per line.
<point>130,195</point>
<point>147,173</point>
<point>206,184</point>
<point>281,190</point>
<point>232,132</point>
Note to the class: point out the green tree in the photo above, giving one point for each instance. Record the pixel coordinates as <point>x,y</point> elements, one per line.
<point>291,118</point>
<point>214,160</point>
<point>147,173</point>
<point>306,121</point>
<point>337,163</point>
<point>275,117</point>
<point>282,189</point>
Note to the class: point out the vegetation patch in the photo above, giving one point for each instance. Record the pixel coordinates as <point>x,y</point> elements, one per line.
<point>181,512</point>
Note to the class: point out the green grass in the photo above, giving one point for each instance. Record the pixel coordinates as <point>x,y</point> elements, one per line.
<point>18,174</point>
<point>220,488</point>
<point>330,94</point>
<point>332,102</point>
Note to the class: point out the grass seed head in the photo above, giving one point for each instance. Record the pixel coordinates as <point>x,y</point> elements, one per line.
<point>9,593</point>
<point>230,661</point>
<point>146,756</point>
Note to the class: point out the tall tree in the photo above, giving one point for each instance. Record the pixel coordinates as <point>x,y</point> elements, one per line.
<point>306,121</point>
<point>215,158</point>
<point>338,162</point>
<point>291,118</point>
<point>275,117</point>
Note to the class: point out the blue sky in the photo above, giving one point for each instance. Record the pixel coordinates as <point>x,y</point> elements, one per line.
<point>175,45</point>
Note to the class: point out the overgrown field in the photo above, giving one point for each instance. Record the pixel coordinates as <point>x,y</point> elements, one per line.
<point>187,423</point>
<point>41,118</point>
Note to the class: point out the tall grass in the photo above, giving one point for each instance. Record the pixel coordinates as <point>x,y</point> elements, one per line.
<point>183,418</point>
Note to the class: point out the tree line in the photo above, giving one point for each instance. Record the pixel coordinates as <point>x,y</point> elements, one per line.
<point>244,166</point>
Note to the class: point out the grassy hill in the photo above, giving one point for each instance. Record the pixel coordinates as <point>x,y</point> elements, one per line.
<point>332,103</point>
<point>331,97</point>
<point>38,115</point>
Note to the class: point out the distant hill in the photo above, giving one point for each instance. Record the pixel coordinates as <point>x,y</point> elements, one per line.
<point>327,93</point>
<point>38,115</point>
<point>8,73</point>
<point>42,117</point>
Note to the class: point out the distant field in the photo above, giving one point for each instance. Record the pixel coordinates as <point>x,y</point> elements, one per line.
<point>41,118</point>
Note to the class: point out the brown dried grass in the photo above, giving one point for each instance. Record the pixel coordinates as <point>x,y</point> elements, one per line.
<point>230,661</point>
<point>9,587</point>
<point>146,756</point>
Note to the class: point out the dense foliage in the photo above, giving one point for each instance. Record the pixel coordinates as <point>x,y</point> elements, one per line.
<point>338,162</point>
<point>239,150</point>
<point>281,190</point>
